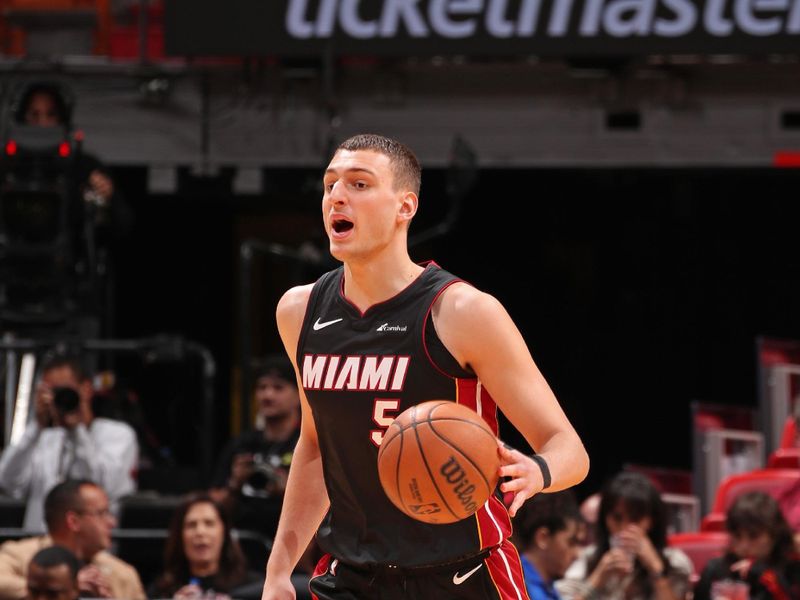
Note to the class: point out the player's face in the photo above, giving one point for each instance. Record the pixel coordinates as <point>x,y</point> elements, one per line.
<point>51,583</point>
<point>275,396</point>
<point>362,211</point>
<point>203,534</point>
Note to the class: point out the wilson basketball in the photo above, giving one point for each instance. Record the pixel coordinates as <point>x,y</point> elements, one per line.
<point>438,462</point>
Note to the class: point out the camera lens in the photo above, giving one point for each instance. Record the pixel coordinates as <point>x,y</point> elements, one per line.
<point>65,399</point>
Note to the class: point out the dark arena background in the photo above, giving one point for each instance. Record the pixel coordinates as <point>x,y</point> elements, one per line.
<point>623,177</point>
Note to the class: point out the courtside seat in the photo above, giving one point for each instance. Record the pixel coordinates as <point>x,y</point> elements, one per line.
<point>700,547</point>
<point>789,437</point>
<point>770,481</point>
<point>12,512</point>
<point>784,458</point>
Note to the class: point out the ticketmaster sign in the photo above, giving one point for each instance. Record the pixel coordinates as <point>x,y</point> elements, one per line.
<point>481,27</point>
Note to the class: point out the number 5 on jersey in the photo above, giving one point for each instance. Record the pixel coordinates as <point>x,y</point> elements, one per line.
<point>383,413</point>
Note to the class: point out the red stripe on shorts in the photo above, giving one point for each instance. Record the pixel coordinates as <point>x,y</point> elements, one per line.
<point>505,569</point>
<point>320,569</point>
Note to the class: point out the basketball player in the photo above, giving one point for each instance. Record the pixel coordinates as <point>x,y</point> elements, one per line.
<point>371,339</point>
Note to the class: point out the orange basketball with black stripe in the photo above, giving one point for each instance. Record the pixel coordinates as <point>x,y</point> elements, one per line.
<point>438,462</point>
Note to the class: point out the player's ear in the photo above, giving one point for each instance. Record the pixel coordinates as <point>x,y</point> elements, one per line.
<point>408,206</point>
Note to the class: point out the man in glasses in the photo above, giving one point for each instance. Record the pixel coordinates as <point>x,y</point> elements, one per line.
<point>79,519</point>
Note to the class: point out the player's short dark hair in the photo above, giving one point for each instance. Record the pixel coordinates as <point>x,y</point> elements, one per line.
<point>73,363</point>
<point>552,511</point>
<point>63,498</point>
<point>277,365</point>
<point>407,171</point>
<point>54,556</point>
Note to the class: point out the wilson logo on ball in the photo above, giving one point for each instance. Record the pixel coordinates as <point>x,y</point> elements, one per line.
<point>462,488</point>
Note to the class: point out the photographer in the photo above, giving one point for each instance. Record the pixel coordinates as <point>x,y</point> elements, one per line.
<point>251,474</point>
<point>67,441</point>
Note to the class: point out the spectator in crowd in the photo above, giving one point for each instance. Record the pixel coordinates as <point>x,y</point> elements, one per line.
<point>66,441</point>
<point>548,530</point>
<point>789,500</point>
<point>200,555</point>
<point>630,559</point>
<point>251,474</point>
<point>761,558</point>
<point>78,518</point>
<point>53,575</point>
<point>589,508</point>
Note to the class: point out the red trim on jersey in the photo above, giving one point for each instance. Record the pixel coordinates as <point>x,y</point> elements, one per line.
<point>425,325</point>
<point>505,569</point>
<point>319,570</point>
<point>468,395</point>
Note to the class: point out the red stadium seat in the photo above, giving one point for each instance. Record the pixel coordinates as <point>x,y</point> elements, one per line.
<point>789,437</point>
<point>771,481</point>
<point>700,547</point>
<point>784,458</point>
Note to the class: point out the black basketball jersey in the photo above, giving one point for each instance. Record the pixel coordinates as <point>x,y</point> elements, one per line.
<point>359,371</point>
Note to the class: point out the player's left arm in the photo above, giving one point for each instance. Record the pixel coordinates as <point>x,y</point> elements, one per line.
<point>480,334</point>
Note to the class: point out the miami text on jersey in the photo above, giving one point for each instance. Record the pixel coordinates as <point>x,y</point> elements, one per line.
<point>368,373</point>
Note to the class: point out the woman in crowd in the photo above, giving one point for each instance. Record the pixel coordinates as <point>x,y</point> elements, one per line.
<point>761,562</point>
<point>630,559</point>
<point>201,558</point>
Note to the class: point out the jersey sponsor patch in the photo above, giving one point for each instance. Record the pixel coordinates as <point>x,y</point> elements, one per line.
<point>360,373</point>
<point>387,328</point>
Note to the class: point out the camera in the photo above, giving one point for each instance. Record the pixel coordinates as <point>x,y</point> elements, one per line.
<point>66,400</point>
<point>261,480</point>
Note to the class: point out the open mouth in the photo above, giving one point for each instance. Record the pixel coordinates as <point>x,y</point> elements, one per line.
<point>340,225</point>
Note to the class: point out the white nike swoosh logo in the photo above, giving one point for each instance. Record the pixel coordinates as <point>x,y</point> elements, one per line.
<point>318,325</point>
<point>459,579</point>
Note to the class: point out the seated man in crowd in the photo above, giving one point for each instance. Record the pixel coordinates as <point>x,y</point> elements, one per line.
<point>78,518</point>
<point>548,535</point>
<point>53,575</point>
<point>67,441</point>
<point>251,474</point>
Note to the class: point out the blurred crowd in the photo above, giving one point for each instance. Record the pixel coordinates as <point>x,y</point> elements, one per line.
<point>75,470</point>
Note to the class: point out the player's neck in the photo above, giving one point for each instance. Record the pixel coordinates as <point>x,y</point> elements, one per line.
<point>368,283</point>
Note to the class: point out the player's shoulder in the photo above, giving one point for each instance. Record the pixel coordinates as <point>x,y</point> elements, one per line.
<point>463,301</point>
<point>294,301</point>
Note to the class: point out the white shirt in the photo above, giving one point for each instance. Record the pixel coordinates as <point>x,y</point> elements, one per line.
<point>106,453</point>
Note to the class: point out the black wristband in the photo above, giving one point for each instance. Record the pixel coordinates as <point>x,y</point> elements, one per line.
<point>545,470</point>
